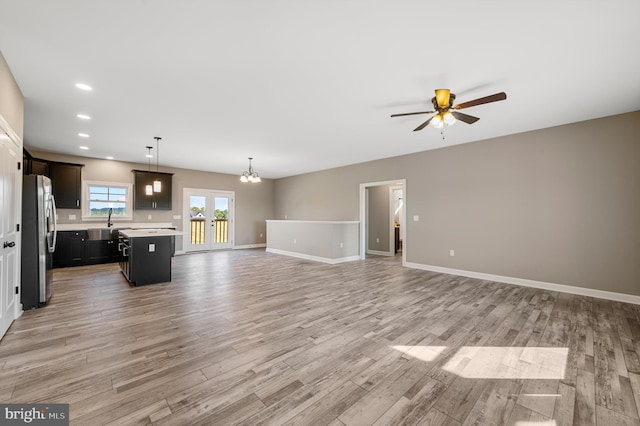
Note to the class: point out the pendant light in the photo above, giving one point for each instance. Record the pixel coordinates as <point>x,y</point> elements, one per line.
<point>148,189</point>
<point>250,175</point>
<point>157,184</point>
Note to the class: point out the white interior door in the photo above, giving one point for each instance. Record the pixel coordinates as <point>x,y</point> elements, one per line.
<point>10,200</point>
<point>208,219</point>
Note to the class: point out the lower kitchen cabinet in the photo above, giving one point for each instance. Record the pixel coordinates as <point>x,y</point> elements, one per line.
<point>70,249</point>
<point>146,260</point>
<point>101,251</point>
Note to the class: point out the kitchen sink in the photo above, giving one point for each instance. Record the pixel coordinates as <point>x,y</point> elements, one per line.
<point>102,234</point>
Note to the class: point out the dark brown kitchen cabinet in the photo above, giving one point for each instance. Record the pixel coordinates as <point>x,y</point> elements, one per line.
<point>70,249</point>
<point>39,167</point>
<point>158,200</point>
<point>101,251</point>
<point>66,180</point>
<point>32,165</point>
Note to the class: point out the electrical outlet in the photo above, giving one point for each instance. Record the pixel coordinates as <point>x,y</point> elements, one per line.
<point>261,235</point>
<point>72,217</point>
<point>285,216</point>
<point>377,240</point>
<point>152,248</point>
<point>341,245</point>
<point>452,253</point>
<point>177,216</point>
<point>416,218</point>
<point>149,217</point>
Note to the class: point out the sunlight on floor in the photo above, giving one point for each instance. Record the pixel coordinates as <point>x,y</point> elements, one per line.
<point>423,353</point>
<point>494,362</point>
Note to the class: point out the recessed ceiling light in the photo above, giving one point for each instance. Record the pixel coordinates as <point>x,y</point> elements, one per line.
<point>83,116</point>
<point>83,135</point>
<point>109,158</point>
<point>83,86</point>
<point>84,147</point>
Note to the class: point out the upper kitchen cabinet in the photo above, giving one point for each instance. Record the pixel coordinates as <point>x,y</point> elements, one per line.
<point>39,167</point>
<point>66,180</point>
<point>32,165</point>
<point>158,200</point>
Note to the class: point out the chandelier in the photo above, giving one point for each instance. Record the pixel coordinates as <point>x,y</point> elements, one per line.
<point>250,175</point>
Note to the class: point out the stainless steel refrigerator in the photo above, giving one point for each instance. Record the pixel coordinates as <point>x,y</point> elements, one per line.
<point>39,231</point>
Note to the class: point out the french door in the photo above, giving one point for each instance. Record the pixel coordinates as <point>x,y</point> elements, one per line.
<point>208,219</point>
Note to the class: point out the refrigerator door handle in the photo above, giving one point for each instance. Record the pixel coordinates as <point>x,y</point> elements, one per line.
<point>52,247</point>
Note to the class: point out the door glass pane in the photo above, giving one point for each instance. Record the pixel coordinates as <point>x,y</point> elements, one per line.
<point>198,219</point>
<point>221,207</point>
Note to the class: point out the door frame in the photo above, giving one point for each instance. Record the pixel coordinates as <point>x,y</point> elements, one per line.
<point>397,183</point>
<point>186,221</point>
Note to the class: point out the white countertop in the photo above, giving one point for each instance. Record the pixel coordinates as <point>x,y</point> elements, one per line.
<point>117,225</point>
<point>134,233</point>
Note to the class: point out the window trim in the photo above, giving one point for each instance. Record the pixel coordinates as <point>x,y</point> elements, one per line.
<point>86,213</point>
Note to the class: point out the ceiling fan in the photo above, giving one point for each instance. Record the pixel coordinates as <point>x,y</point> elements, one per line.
<point>447,113</point>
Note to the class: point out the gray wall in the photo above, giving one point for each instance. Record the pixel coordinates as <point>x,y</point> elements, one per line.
<point>559,205</point>
<point>253,202</point>
<point>11,99</point>
<point>327,240</point>
<point>378,218</point>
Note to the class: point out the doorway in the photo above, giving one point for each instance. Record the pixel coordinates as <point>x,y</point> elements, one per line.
<point>208,219</point>
<point>394,216</point>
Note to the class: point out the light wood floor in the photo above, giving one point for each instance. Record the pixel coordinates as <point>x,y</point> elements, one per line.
<point>248,337</point>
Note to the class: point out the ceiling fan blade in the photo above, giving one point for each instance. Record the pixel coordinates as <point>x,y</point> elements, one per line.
<point>412,113</point>
<point>442,97</point>
<point>487,99</point>
<point>469,119</point>
<point>423,125</point>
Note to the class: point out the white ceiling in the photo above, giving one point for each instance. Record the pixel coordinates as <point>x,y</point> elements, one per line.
<point>308,85</point>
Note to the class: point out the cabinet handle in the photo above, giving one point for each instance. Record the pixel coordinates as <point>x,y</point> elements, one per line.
<point>77,203</point>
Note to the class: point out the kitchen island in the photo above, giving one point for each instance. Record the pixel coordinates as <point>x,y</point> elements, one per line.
<point>146,255</point>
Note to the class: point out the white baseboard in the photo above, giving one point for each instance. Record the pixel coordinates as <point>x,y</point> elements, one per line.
<point>313,258</point>
<point>250,246</point>
<point>601,294</point>
<point>380,253</point>
<point>180,252</point>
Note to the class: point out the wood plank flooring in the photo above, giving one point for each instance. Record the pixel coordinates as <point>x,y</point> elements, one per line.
<point>252,338</point>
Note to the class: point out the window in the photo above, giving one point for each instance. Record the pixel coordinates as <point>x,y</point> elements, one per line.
<point>99,197</point>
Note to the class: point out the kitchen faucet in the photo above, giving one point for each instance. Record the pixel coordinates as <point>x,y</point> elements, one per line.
<point>109,223</point>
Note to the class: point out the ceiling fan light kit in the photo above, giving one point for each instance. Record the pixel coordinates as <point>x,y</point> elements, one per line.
<point>447,113</point>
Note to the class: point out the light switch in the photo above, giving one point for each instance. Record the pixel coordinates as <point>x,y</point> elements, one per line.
<point>416,218</point>
<point>148,216</point>
<point>177,216</point>
<point>152,248</point>
<point>72,217</point>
